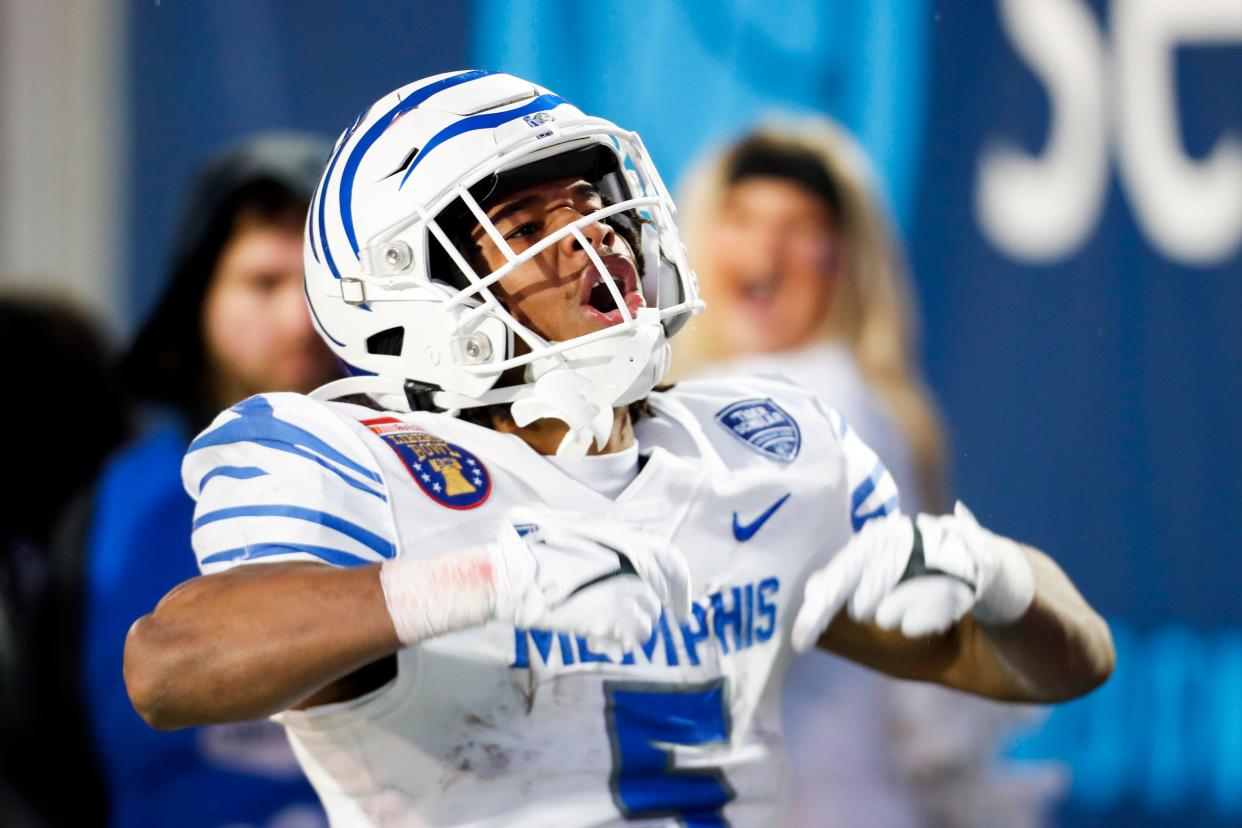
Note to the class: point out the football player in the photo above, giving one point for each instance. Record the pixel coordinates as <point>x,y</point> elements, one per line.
<point>516,585</point>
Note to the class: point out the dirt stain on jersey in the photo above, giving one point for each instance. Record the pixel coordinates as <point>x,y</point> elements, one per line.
<point>483,760</point>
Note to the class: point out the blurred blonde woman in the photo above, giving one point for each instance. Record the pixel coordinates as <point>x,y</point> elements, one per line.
<point>799,266</point>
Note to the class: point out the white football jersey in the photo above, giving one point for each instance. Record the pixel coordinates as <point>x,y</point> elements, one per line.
<point>752,479</point>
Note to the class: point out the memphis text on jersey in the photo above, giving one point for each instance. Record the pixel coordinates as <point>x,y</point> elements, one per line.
<point>732,619</point>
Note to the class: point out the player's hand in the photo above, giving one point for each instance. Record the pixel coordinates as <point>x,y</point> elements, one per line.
<point>596,578</point>
<point>920,576</point>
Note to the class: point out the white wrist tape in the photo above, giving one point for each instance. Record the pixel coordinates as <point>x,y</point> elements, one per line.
<point>427,597</point>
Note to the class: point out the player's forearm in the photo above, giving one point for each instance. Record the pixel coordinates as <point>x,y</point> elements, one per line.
<point>254,641</point>
<point>1059,649</point>
<point>1030,637</point>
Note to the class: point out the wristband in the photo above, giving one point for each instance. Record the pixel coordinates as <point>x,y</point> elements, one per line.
<point>427,597</point>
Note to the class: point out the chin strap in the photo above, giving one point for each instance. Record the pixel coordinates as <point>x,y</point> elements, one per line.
<point>584,403</point>
<point>562,394</point>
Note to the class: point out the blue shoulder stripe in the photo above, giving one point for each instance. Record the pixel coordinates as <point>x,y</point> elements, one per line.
<point>886,508</point>
<point>863,491</point>
<point>315,458</point>
<point>265,550</point>
<point>364,536</point>
<point>259,424</point>
<point>235,472</point>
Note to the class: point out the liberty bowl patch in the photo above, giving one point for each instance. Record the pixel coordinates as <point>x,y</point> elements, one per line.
<point>450,475</point>
<point>764,426</point>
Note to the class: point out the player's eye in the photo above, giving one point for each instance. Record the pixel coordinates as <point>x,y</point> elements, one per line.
<point>525,229</point>
<point>595,200</point>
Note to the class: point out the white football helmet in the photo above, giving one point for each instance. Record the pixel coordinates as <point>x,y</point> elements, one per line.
<point>410,316</point>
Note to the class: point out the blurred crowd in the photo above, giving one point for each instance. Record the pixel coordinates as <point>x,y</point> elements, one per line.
<point>803,276</point>
<point>89,549</point>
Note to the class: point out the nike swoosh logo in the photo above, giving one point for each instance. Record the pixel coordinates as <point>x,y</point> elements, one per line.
<point>744,532</point>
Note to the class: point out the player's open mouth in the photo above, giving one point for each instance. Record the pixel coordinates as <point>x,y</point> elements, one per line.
<point>596,299</point>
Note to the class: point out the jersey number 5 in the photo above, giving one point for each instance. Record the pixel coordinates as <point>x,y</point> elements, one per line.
<point>646,721</point>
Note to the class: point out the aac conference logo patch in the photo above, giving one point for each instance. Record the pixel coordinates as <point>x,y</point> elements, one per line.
<point>450,475</point>
<point>764,426</point>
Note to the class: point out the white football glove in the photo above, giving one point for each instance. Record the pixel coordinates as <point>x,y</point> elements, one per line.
<point>596,578</point>
<point>920,581</point>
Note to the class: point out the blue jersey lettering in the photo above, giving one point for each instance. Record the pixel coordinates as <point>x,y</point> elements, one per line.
<point>735,618</point>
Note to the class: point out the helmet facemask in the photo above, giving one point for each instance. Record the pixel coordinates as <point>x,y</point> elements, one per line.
<point>419,262</point>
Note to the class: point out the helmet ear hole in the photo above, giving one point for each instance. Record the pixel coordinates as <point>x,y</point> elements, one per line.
<point>386,342</point>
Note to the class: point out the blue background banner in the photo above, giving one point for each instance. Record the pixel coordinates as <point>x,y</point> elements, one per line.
<point>688,74</point>
<point>201,75</point>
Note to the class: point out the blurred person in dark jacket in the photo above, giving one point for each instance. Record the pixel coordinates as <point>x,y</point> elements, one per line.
<point>63,358</point>
<point>799,265</point>
<point>232,321</point>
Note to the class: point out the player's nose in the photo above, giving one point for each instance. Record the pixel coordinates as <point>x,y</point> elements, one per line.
<point>598,234</point>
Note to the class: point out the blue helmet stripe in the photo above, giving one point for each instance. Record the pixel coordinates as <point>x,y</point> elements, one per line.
<point>323,197</point>
<point>484,121</point>
<point>350,170</point>
<point>320,196</point>
<point>321,193</point>
<point>310,221</point>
